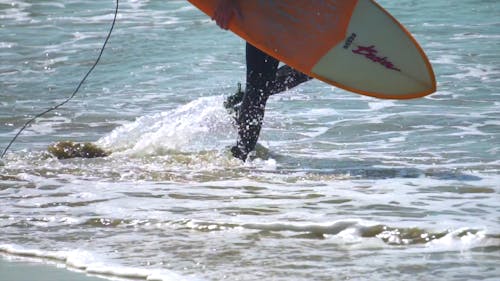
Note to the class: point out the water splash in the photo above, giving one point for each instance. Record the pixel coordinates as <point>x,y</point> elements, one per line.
<point>200,125</point>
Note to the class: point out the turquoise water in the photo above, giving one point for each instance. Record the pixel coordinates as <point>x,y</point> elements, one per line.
<point>351,187</point>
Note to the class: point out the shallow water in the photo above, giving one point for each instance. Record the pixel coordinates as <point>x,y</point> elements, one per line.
<point>346,187</point>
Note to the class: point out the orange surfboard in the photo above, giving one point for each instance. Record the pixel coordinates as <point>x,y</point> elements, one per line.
<point>351,44</point>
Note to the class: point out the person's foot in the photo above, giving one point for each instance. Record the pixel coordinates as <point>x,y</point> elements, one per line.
<point>231,103</point>
<point>238,153</point>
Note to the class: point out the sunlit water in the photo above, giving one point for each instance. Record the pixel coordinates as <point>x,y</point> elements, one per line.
<point>347,187</point>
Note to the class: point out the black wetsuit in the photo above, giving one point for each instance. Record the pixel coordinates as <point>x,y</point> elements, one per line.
<point>263,80</point>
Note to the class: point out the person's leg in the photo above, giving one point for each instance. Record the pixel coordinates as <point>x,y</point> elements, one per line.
<point>261,72</point>
<point>286,79</point>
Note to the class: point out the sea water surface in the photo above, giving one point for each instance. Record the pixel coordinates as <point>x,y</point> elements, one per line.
<point>349,187</point>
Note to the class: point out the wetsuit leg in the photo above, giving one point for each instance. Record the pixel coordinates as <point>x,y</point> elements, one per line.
<point>287,78</point>
<point>261,72</point>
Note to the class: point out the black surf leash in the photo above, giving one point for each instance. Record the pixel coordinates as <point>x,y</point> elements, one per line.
<point>74,93</point>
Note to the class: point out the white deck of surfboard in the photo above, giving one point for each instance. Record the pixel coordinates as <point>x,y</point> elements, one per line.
<point>374,27</point>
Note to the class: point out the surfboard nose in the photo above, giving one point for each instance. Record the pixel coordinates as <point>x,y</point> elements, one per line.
<point>378,57</point>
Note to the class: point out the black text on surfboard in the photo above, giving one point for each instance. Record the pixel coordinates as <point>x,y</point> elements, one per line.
<point>349,40</point>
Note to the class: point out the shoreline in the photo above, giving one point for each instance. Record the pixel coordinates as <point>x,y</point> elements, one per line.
<point>15,268</point>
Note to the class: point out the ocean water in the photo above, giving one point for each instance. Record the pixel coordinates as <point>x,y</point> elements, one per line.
<point>347,187</point>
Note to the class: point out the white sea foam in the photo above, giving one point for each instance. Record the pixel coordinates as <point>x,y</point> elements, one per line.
<point>477,71</point>
<point>474,36</point>
<point>7,45</point>
<point>91,264</point>
<point>462,240</point>
<point>378,105</point>
<point>317,112</point>
<point>46,126</point>
<point>446,59</point>
<point>52,4</point>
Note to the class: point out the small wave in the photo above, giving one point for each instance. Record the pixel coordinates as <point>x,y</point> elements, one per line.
<point>90,264</point>
<point>464,239</point>
<point>360,231</point>
<point>382,104</point>
<point>355,229</point>
<point>482,72</point>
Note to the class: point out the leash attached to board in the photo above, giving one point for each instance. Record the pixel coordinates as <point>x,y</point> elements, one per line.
<point>74,92</point>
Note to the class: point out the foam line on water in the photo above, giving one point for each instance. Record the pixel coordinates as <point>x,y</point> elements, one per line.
<point>89,263</point>
<point>363,233</point>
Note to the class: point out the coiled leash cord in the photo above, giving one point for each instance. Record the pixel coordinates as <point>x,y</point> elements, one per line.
<point>72,95</point>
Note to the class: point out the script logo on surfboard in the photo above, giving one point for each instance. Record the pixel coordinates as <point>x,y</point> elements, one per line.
<point>370,52</point>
